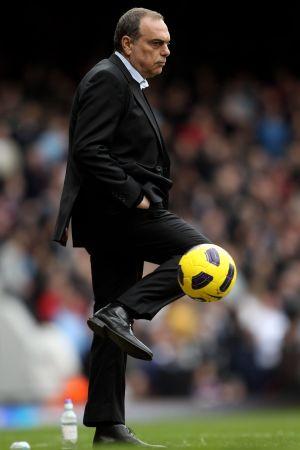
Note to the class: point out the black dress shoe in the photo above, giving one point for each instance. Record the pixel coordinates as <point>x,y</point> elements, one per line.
<point>114,322</point>
<point>118,433</point>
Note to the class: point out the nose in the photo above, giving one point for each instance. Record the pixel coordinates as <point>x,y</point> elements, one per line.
<point>165,50</point>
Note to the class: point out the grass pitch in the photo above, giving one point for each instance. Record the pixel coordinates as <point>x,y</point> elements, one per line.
<point>254,430</point>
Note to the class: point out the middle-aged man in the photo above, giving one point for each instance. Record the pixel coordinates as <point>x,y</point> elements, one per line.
<point>116,192</point>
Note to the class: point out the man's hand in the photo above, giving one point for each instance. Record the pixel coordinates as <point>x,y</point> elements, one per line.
<point>145,204</point>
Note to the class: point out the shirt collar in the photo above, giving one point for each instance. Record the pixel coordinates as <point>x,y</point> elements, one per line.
<point>133,72</point>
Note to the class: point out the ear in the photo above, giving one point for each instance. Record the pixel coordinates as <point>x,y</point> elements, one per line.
<point>126,42</point>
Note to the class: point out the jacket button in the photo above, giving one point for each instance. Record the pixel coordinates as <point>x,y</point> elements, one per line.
<point>158,169</point>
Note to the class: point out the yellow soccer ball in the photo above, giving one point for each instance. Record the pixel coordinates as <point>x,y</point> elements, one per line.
<point>206,273</point>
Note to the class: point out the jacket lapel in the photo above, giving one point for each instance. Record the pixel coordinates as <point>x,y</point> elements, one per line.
<point>138,95</point>
<point>157,127</point>
<point>140,98</point>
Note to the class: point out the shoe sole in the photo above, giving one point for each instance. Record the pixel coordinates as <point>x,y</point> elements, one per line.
<point>97,326</point>
<point>101,329</point>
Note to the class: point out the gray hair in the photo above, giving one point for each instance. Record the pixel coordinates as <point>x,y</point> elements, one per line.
<point>129,25</point>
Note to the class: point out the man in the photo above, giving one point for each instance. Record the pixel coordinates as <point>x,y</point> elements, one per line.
<point>116,192</point>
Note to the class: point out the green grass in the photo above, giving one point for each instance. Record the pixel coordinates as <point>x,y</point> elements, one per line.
<point>254,430</point>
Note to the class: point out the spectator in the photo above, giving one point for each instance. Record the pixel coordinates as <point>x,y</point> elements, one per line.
<point>236,153</point>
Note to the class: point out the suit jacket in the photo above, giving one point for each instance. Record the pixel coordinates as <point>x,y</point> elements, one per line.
<point>116,153</point>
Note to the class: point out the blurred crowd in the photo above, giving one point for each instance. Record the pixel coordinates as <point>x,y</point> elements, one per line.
<point>235,151</point>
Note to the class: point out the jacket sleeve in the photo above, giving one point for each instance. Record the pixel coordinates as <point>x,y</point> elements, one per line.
<point>100,108</point>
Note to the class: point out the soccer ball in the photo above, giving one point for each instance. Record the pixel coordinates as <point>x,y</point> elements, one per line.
<point>206,273</point>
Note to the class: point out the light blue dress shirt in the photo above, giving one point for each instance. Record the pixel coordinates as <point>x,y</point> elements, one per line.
<point>133,72</point>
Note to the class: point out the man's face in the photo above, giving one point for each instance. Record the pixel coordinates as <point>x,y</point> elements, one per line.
<point>149,52</point>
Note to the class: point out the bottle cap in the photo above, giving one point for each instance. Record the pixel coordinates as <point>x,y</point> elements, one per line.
<point>68,404</point>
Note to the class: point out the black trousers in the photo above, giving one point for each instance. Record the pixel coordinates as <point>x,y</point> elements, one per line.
<point>155,235</point>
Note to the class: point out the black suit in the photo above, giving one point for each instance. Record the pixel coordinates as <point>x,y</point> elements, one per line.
<point>116,151</point>
<point>116,156</point>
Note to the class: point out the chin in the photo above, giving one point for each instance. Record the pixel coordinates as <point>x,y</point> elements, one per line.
<point>157,71</point>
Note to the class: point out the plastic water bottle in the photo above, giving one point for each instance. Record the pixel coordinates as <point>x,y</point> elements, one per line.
<point>20,445</point>
<point>68,423</point>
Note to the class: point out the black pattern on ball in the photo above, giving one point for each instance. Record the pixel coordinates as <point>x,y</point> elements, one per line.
<point>201,280</point>
<point>226,283</point>
<point>212,256</point>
